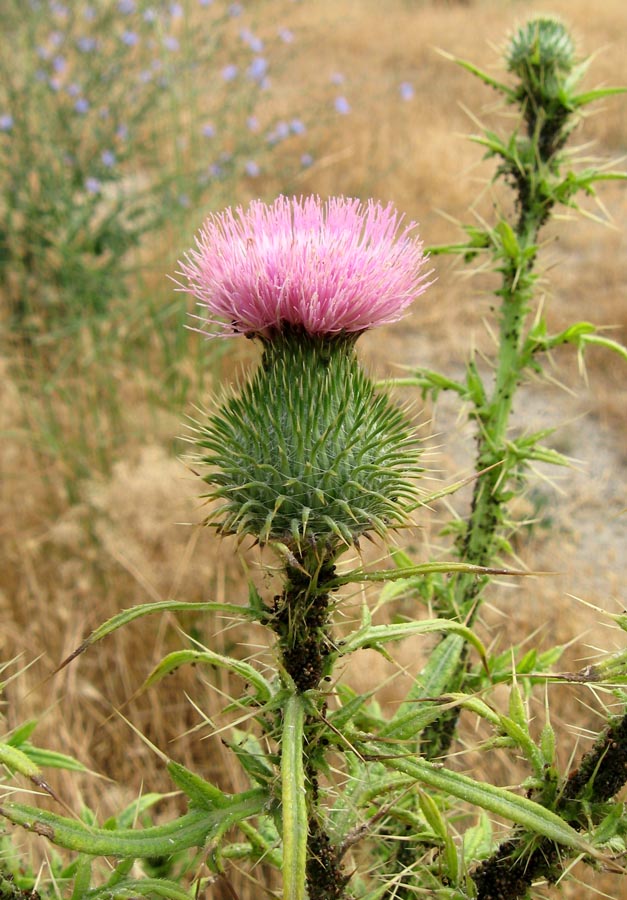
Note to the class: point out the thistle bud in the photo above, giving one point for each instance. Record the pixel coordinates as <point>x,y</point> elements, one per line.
<point>308,453</point>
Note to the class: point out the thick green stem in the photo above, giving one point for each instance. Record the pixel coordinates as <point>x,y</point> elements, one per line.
<point>301,622</point>
<point>294,801</point>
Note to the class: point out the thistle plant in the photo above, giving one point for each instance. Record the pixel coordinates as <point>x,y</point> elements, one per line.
<point>308,457</point>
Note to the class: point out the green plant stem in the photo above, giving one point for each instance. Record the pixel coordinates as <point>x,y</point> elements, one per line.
<point>294,801</point>
<point>514,254</point>
<point>301,622</point>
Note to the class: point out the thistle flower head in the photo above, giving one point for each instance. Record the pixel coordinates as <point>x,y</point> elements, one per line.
<point>327,268</point>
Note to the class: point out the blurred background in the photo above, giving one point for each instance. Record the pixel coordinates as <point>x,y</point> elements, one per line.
<point>122,125</point>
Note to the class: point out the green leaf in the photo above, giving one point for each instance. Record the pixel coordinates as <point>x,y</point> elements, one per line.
<point>360,576</point>
<point>294,802</point>
<point>22,733</point>
<point>17,761</point>
<point>148,609</point>
<point>598,94</point>
<point>128,816</point>
<point>607,343</point>
<point>435,680</point>
<point>142,887</point>
<point>178,658</point>
<point>52,759</point>
<point>198,791</point>
<point>509,242</point>
<point>383,634</point>
<point>495,800</point>
<point>82,879</point>
<point>190,830</point>
<point>251,757</point>
<point>483,76</point>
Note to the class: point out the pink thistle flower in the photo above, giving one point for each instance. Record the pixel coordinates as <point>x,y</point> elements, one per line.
<point>334,267</point>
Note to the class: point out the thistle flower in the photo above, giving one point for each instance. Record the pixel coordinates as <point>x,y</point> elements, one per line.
<point>327,268</point>
<point>308,453</point>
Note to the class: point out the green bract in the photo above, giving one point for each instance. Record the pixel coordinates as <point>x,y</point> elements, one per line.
<point>309,452</point>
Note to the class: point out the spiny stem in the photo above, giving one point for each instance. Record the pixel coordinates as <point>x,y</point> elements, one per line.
<point>300,620</point>
<point>509,872</point>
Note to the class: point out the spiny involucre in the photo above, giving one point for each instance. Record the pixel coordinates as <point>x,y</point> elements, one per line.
<point>332,267</point>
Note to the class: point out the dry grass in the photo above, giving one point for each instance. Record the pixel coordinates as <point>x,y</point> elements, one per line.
<point>67,567</point>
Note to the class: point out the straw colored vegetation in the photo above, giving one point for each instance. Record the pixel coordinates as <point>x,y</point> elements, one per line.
<point>98,512</point>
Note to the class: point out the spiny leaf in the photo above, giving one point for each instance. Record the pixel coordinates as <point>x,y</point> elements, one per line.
<point>178,658</point>
<point>190,830</point>
<point>383,634</point>
<point>495,800</point>
<point>148,609</point>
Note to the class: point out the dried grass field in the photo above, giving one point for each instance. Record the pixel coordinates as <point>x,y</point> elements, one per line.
<point>128,532</point>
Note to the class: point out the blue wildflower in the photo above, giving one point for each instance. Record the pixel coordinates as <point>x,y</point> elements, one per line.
<point>280,131</point>
<point>86,44</point>
<point>252,168</point>
<point>342,106</point>
<point>81,106</point>
<point>92,185</point>
<point>108,158</point>
<point>258,68</point>
<point>406,90</point>
<point>6,122</point>
<point>229,72</point>
<point>130,38</point>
